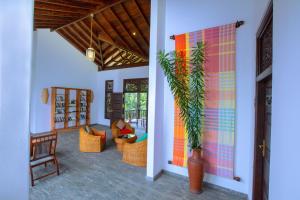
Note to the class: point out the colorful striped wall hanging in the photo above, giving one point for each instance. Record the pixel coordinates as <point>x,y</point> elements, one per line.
<point>220,98</point>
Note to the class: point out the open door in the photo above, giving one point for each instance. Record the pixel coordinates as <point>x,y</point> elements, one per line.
<point>116,107</point>
<point>263,109</point>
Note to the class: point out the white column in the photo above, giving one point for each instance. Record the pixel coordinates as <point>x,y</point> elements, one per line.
<point>285,137</point>
<point>16,25</point>
<point>156,91</point>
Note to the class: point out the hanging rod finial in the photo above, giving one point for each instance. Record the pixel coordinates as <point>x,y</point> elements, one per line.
<point>239,23</point>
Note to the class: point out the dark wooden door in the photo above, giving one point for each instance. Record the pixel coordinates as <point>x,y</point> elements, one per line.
<point>263,109</point>
<point>117,107</point>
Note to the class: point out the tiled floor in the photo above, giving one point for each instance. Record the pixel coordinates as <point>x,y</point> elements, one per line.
<point>96,176</point>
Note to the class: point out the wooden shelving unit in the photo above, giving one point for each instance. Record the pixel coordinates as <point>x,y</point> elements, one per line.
<point>70,108</point>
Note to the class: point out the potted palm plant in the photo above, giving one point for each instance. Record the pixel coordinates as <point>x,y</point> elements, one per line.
<point>186,80</point>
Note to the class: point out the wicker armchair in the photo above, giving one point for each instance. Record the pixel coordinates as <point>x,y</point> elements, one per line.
<point>91,143</point>
<point>115,131</point>
<point>135,153</point>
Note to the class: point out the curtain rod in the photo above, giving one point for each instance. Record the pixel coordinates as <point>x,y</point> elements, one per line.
<point>237,25</point>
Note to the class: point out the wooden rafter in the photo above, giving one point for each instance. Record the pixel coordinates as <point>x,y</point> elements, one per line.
<point>64,9</point>
<point>114,23</point>
<point>136,27</point>
<point>94,12</point>
<point>73,4</point>
<point>128,33</point>
<point>141,13</point>
<point>141,64</point>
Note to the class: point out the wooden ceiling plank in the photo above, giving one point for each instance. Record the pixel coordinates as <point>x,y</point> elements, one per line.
<point>58,9</point>
<point>114,58</point>
<point>95,2</point>
<point>125,43</point>
<point>132,21</point>
<point>54,13</point>
<point>94,12</point>
<point>103,30</point>
<point>69,4</point>
<point>126,31</point>
<point>121,47</point>
<point>109,55</point>
<point>107,51</point>
<point>141,13</point>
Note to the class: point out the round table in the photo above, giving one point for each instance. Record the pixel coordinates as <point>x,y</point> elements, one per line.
<point>120,141</point>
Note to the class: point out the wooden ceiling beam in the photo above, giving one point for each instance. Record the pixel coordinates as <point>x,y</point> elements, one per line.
<point>128,32</point>
<point>124,43</point>
<point>121,47</point>
<point>136,27</point>
<point>94,12</point>
<point>73,4</point>
<point>95,2</point>
<point>141,64</point>
<point>55,13</point>
<point>113,59</point>
<point>141,13</point>
<point>50,20</point>
<point>45,6</point>
<point>39,17</point>
<point>107,51</point>
<point>110,54</point>
<point>101,55</point>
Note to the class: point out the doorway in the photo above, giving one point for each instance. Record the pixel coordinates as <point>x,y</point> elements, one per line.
<point>136,103</point>
<point>262,150</point>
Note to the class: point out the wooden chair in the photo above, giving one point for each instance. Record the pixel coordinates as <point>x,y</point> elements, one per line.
<point>43,151</point>
<point>135,153</point>
<point>115,131</point>
<point>92,142</point>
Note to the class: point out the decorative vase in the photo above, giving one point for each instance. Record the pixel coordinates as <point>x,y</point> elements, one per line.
<point>196,171</point>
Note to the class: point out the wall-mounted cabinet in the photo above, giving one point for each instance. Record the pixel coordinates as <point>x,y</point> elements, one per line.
<point>70,108</point>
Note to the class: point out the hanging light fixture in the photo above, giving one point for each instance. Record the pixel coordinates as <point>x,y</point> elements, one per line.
<point>90,52</point>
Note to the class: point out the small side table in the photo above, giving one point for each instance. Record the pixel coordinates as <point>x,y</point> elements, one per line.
<point>120,141</point>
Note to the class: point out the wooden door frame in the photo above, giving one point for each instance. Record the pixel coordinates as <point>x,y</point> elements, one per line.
<point>261,78</point>
<point>133,79</point>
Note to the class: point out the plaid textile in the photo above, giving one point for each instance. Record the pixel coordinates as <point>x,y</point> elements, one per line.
<point>219,121</point>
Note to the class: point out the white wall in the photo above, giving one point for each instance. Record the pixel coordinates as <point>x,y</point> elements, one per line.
<point>15,74</point>
<point>117,76</point>
<point>285,159</point>
<point>57,63</point>
<point>184,17</point>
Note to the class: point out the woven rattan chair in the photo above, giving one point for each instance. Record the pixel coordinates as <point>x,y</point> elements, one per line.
<point>92,142</point>
<point>115,131</point>
<point>135,153</point>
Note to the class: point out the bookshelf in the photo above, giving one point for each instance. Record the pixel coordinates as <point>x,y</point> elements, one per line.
<point>70,108</point>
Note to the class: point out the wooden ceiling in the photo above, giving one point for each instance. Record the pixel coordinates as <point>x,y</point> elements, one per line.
<point>121,28</point>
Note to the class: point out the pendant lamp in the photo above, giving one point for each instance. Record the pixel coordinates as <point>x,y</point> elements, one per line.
<point>90,52</point>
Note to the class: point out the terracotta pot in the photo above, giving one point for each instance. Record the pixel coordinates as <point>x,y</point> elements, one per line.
<point>196,171</point>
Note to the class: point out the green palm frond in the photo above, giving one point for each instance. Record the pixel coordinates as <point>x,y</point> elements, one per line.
<point>186,80</point>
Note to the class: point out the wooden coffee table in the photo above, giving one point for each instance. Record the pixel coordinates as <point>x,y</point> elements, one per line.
<point>120,141</point>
